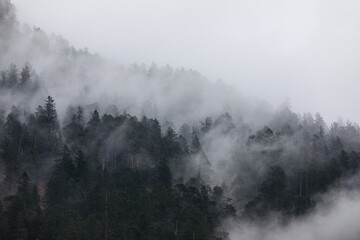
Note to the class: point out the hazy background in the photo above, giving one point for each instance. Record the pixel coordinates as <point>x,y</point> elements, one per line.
<point>306,51</point>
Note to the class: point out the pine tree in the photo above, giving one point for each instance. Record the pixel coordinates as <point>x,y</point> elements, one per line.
<point>11,148</point>
<point>25,75</point>
<point>47,115</point>
<point>50,114</point>
<point>80,116</point>
<point>94,120</point>
<point>82,167</point>
<point>59,187</point>
<point>12,78</point>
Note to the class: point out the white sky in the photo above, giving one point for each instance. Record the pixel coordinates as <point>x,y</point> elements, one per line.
<point>307,51</point>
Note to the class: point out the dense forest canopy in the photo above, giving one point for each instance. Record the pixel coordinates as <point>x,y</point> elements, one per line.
<point>89,150</point>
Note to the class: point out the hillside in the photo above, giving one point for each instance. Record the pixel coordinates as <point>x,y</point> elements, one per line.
<point>93,150</point>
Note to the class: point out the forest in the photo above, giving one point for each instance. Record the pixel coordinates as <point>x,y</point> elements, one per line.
<point>120,177</point>
<point>148,152</point>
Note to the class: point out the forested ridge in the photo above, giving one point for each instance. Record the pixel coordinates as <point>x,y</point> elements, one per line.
<point>91,194</point>
<point>89,150</point>
<point>120,177</point>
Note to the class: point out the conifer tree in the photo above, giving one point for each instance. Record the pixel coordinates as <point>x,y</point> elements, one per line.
<point>25,75</point>
<point>47,115</point>
<point>94,120</point>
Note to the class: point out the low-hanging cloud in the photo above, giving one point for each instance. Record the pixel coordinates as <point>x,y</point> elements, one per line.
<point>305,50</point>
<point>336,217</point>
<point>239,148</point>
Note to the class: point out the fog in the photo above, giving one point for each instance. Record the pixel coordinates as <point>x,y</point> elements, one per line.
<point>305,51</point>
<point>77,77</point>
<point>338,220</point>
<point>335,217</point>
<point>240,78</point>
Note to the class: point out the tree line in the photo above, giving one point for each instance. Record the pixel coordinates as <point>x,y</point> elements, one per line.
<point>90,194</point>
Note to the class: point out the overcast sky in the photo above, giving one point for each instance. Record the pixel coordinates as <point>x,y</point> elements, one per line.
<point>307,51</point>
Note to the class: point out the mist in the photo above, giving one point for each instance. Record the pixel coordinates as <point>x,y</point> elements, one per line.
<point>303,51</point>
<point>79,77</point>
<point>335,217</point>
<point>229,108</point>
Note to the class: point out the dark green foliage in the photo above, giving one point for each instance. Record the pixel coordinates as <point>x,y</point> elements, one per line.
<point>47,115</point>
<point>43,126</point>
<point>25,75</point>
<point>94,120</point>
<point>12,76</point>
<point>273,195</point>
<point>99,191</point>
<point>19,81</point>
<point>163,174</point>
<point>82,168</point>
<point>14,146</point>
<point>118,177</point>
<point>23,213</point>
<point>60,185</point>
<point>276,195</point>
